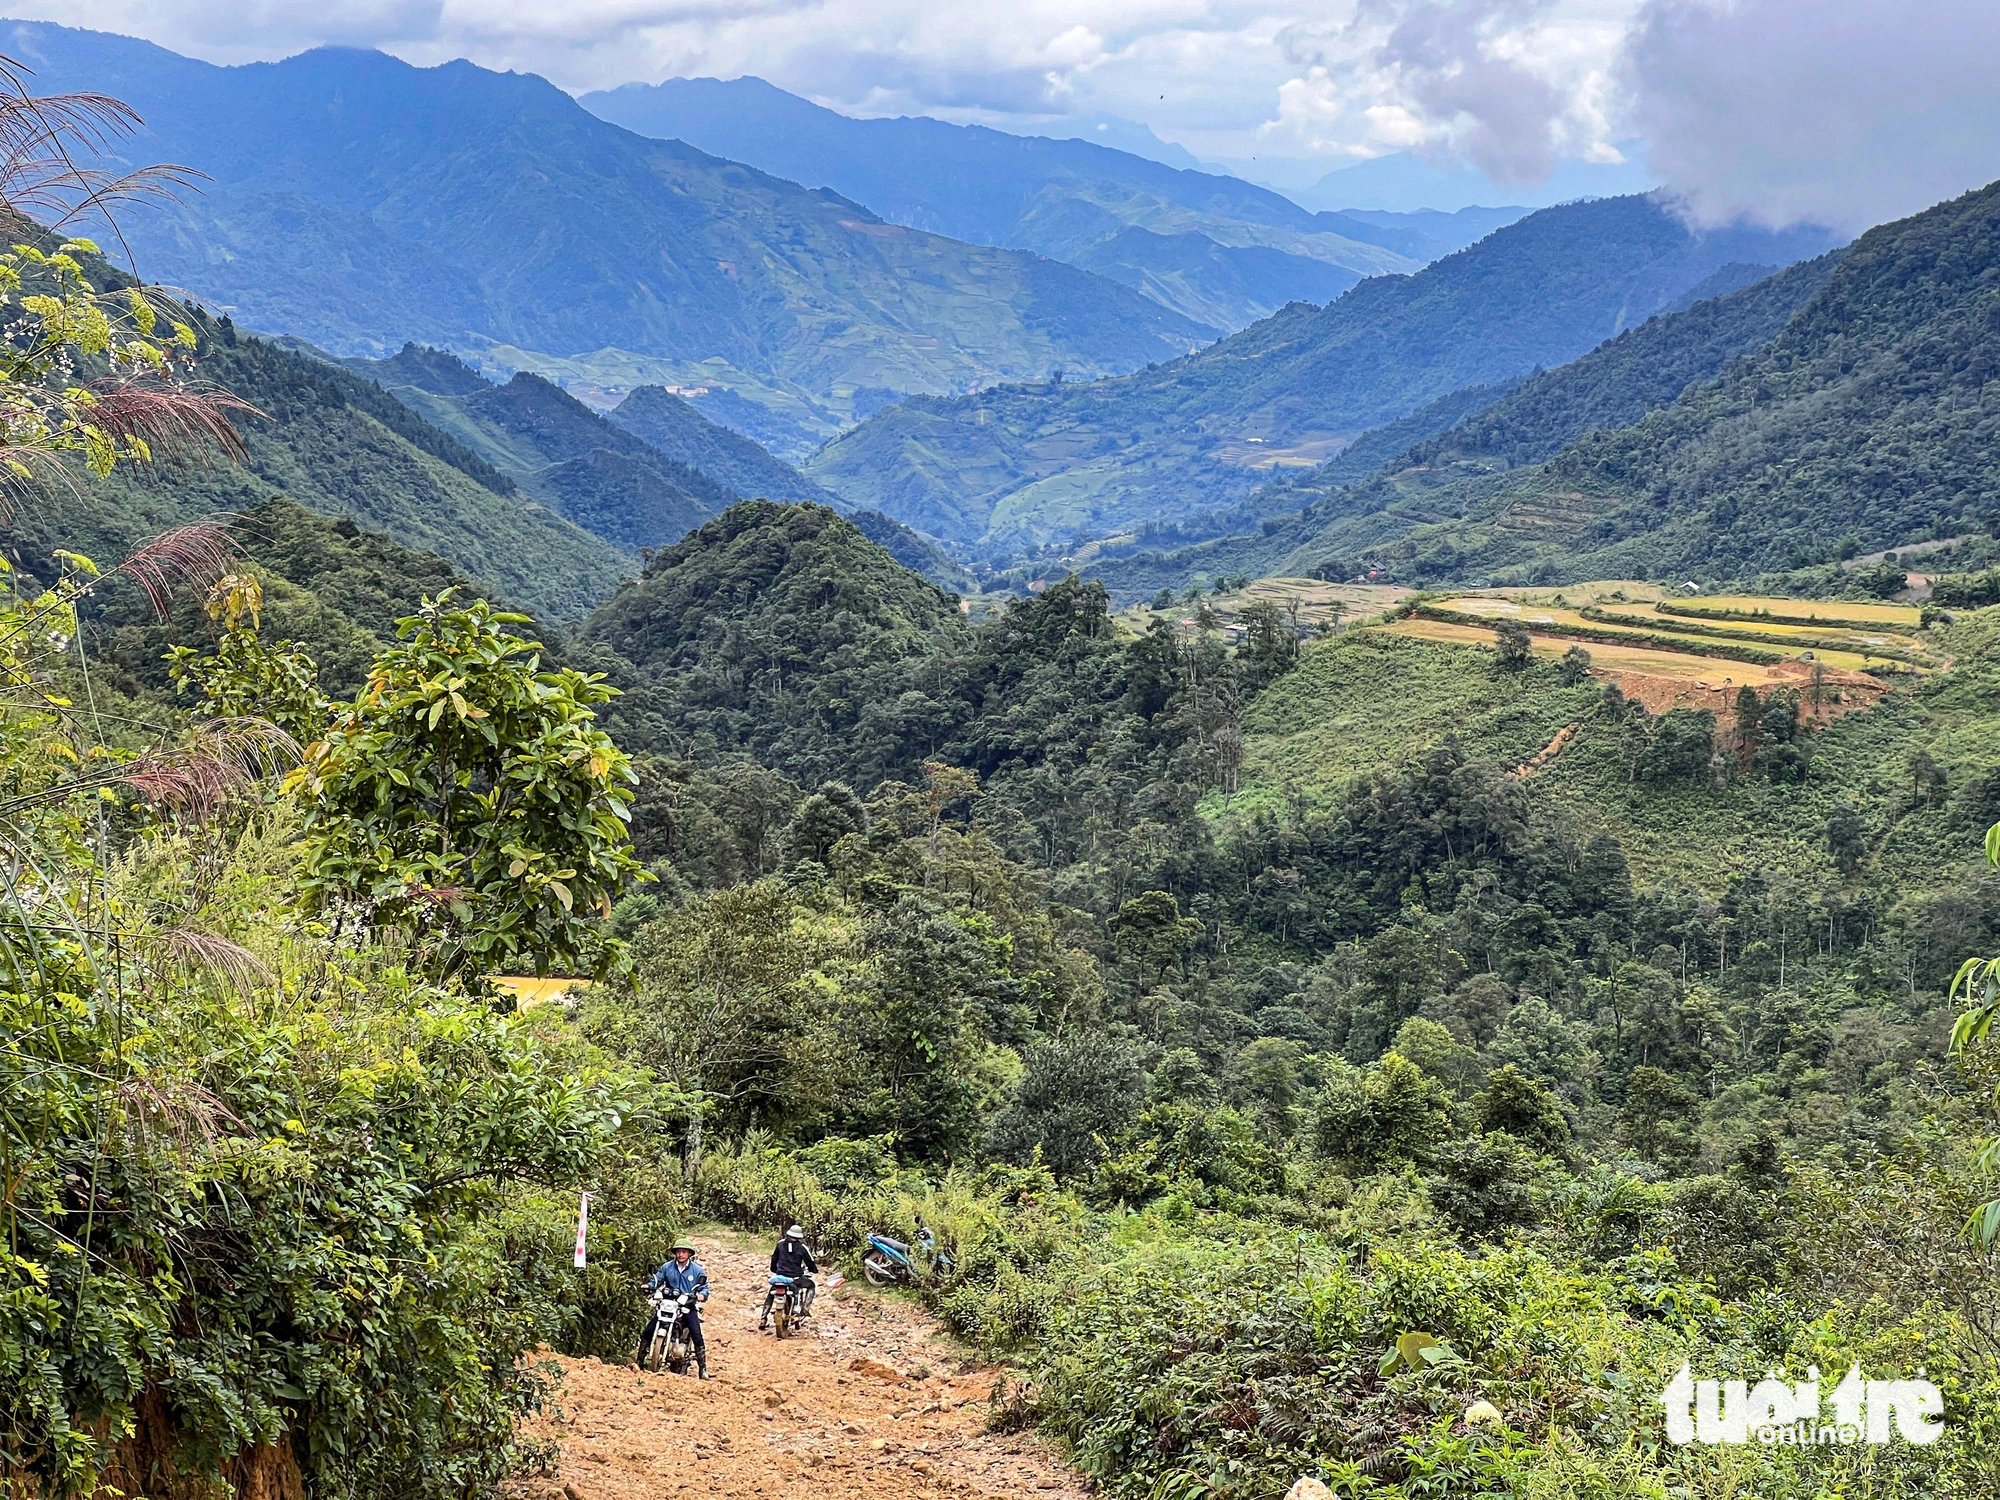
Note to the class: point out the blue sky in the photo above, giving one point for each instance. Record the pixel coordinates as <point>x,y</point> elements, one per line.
<point>1843,111</point>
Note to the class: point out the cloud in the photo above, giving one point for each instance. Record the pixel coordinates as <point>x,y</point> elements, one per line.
<point>1509,85</point>
<point>1842,112</point>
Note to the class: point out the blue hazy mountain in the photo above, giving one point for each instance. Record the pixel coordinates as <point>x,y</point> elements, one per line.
<point>360,202</point>
<point>1214,247</point>
<point>1404,183</point>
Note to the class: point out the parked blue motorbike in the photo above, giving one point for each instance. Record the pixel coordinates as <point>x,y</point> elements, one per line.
<point>888,1261</point>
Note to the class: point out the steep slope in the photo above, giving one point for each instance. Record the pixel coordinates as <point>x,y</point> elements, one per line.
<point>591,470</point>
<point>767,631</point>
<point>1449,455</point>
<point>1217,249</point>
<point>672,426</point>
<point>1026,464</point>
<point>1864,424</point>
<point>328,585</point>
<point>343,447</point>
<point>357,201</point>
<point>919,554</point>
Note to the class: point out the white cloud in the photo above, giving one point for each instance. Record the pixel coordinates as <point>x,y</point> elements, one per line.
<point>1845,112</point>
<point>1509,85</point>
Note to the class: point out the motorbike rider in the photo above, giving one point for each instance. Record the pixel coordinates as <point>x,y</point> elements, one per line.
<point>792,1258</point>
<point>681,1276</point>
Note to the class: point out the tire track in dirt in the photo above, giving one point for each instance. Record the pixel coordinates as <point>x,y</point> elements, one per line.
<point>870,1400</point>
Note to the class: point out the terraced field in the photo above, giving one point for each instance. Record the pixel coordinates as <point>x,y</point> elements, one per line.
<point>1748,641</point>
<point>1646,660</point>
<point>1674,653</point>
<point>1899,617</point>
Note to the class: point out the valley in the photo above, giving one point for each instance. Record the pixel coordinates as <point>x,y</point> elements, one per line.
<point>1346,845</point>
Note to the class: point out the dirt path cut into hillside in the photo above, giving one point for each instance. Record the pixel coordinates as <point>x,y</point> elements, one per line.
<point>870,1402</point>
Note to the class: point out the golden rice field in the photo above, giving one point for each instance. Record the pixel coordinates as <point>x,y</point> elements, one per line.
<point>1853,654</point>
<point>1837,637</point>
<point>1806,611</point>
<point>1648,661</point>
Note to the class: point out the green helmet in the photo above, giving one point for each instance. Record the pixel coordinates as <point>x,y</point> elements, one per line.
<point>680,1245</point>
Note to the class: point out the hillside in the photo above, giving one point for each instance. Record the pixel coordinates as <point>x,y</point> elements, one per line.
<point>1860,426</point>
<point>359,202</point>
<point>771,630</point>
<point>1214,248</point>
<point>597,473</point>
<point>672,426</point>
<point>1029,464</point>
<point>331,587</point>
<point>1447,456</point>
<point>341,446</point>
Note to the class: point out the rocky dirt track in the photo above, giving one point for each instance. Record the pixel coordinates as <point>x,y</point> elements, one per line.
<point>869,1401</point>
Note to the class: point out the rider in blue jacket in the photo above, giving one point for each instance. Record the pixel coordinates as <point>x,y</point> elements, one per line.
<point>681,1276</point>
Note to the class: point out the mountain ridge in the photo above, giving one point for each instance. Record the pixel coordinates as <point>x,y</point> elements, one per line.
<point>359,202</point>
<point>1127,217</point>
<point>1029,464</point>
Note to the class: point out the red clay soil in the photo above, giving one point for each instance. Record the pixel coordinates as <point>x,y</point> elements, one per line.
<point>871,1400</point>
<point>1844,691</point>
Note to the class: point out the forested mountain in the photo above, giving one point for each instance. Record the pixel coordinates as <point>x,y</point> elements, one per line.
<point>1446,456</point>
<point>341,446</point>
<point>331,587</point>
<point>359,202</point>
<point>1215,248</point>
<point>1859,426</point>
<point>598,473</point>
<point>671,425</point>
<point>1027,464</point>
<point>919,554</point>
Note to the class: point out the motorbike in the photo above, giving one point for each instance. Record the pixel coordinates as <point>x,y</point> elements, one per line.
<point>672,1347</point>
<point>888,1260</point>
<point>791,1302</point>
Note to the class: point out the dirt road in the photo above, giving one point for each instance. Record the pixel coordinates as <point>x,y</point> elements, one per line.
<point>870,1401</point>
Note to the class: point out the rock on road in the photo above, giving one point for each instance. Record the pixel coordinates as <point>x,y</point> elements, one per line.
<point>870,1402</point>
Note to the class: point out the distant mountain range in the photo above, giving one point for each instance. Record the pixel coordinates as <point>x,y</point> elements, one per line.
<point>1215,248</point>
<point>359,202</point>
<point>644,476</point>
<point>1829,410</point>
<point>673,427</point>
<point>1207,245</point>
<point>332,441</point>
<point>1863,423</point>
<point>1026,465</point>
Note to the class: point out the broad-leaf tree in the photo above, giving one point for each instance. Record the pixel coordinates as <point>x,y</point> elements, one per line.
<point>469,795</point>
